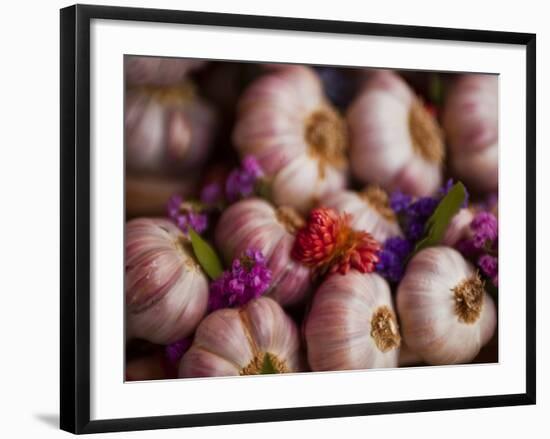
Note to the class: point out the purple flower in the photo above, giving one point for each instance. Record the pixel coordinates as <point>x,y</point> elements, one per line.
<point>415,215</point>
<point>399,201</point>
<point>482,245</point>
<point>173,205</point>
<point>485,229</point>
<point>175,351</point>
<point>184,215</point>
<point>393,257</point>
<point>251,166</point>
<point>488,264</point>
<point>211,193</point>
<point>247,279</point>
<point>242,181</point>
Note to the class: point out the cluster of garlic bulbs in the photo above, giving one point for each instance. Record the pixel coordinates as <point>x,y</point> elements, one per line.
<point>315,164</point>
<point>168,129</point>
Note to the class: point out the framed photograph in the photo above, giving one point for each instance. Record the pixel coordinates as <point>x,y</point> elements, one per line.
<point>268,219</point>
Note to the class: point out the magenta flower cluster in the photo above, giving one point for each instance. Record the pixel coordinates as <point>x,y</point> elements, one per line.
<point>241,182</point>
<point>248,278</point>
<point>186,216</point>
<point>482,244</point>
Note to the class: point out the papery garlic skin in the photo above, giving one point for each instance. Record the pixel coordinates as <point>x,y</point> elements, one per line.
<point>458,228</point>
<point>233,341</point>
<point>470,121</point>
<point>352,324</point>
<point>167,130</point>
<point>395,142</point>
<point>166,290</point>
<point>407,357</point>
<point>439,321</point>
<point>367,212</point>
<point>255,223</point>
<point>287,124</point>
<point>152,70</point>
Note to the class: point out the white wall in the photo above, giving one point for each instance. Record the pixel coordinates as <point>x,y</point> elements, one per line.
<point>30,204</point>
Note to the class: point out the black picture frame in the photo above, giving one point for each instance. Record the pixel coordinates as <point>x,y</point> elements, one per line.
<point>75,217</point>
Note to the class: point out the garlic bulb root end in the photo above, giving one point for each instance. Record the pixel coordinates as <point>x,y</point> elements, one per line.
<point>255,366</point>
<point>468,297</point>
<point>384,330</point>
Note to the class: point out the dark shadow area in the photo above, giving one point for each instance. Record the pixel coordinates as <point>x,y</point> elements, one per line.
<point>50,419</point>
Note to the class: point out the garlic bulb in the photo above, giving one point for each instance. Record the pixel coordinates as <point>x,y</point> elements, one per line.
<point>395,142</point>
<point>407,357</point>
<point>167,129</point>
<point>352,324</point>
<point>446,316</point>
<point>470,121</point>
<point>254,223</point>
<point>369,210</point>
<point>166,290</point>
<point>234,341</point>
<point>143,70</point>
<point>299,139</point>
<point>458,227</point>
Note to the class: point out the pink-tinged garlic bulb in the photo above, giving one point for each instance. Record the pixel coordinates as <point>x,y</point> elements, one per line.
<point>369,210</point>
<point>166,290</point>
<point>470,121</point>
<point>167,129</point>
<point>152,70</point>
<point>234,341</point>
<point>299,139</point>
<point>352,324</point>
<point>458,228</point>
<point>445,313</point>
<point>407,357</point>
<point>395,142</point>
<point>254,223</point>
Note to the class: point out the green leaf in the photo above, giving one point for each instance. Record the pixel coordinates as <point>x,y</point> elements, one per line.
<point>206,255</point>
<point>267,366</point>
<point>437,224</point>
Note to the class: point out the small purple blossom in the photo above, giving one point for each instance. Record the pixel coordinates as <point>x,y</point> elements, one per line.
<point>185,216</point>
<point>393,257</point>
<point>415,216</point>
<point>211,193</point>
<point>175,351</point>
<point>247,279</point>
<point>488,264</point>
<point>242,181</point>
<point>482,244</point>
<point>399,201</point>
<point>173,205</point>
<point>485,229</point>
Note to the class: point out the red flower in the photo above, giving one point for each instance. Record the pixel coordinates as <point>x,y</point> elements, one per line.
<point>328,244</point>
